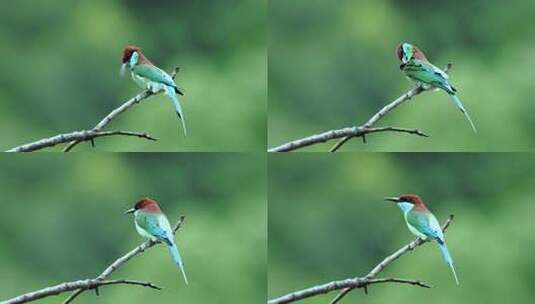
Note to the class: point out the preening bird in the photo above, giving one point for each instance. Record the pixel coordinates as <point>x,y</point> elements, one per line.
<point>417,68</point>
<point>152,224</point>
<point>423,224</point>
<point>148,76</point>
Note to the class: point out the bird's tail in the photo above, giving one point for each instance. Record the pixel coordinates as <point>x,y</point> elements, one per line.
<point>447,259</point>
<point>170,91</point>
<point>178,259</point>
<point>461,107</point>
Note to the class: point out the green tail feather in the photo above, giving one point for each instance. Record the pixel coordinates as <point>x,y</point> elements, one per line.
<point>178,260</point>
<point>448,260</point>
<point>463,110</point>
<point>170,91</point>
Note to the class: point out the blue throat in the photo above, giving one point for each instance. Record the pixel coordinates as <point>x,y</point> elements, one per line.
<point>133,59</point>
<point>405,207</point>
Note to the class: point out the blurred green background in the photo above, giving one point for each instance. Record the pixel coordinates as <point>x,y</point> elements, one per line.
<point>328,221</point>
<point>62,220</point>
<point>61,62</point>
<point>332,65</point>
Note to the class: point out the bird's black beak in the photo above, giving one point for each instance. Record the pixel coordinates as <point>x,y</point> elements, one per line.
<point>392,199</point>
<point>129,211</point>
<point>123,69</point>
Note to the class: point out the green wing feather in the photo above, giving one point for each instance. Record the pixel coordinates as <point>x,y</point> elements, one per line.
<point>155,74</point>
<point>151,224</point>
<point>425,72</point>
<point>422,223</point>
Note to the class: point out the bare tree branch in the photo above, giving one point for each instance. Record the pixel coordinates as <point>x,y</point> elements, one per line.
<point>336,285</point>
<point>345,133</point>
<point>348,285</point>
<point>358,131</point>
<point>110,133</point>
<point>80,286</point>
<point>69,286</point>
<point>76,137</point>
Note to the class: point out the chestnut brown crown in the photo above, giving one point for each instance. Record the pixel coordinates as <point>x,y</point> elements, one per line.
<point>411,198</point>
<point>128,51</point>
<point>416,53</point>
<point>147,204</point>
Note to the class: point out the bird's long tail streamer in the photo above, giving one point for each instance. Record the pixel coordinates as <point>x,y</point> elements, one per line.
<point>170,91</point>
<point>461,107</point>
<point>178,259</point>
<point>447,259</point>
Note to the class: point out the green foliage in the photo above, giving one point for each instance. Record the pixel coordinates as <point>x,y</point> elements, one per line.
<point>328,221</point>
<point>62,220</point>
<point>61,63</point>
<point>333,65</point>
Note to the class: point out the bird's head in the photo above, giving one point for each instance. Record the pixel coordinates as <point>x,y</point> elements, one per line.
<point>130,51</point>
<point>407,52</point>
<point>145,204</point>
<point>406,198</point>
<point>131,56</point>
<point>408,201</point>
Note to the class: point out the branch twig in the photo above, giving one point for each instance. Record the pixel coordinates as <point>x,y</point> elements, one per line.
<point>80,286</point>
<point>348,285</point>
<point>336,285</point>
<point>345,133</point>
<point>74,138</point>
<point>78,136</point>
<point>359,131</point>
<point>69,286</point>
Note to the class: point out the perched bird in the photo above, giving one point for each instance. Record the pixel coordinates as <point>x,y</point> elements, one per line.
<point>423,224</point>
<point>148,76</point>
<point>151,223</point>
<point>417,68</point>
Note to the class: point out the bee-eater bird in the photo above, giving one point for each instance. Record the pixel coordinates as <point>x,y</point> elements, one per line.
<point>152,224</point>
<point>150,77</point>
<point>417,68</point>
<point>423,224</point>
